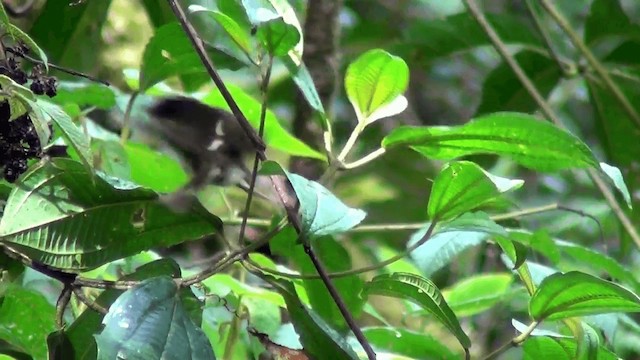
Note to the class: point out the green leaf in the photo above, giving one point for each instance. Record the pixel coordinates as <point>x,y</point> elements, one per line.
<point>576,294</point>
<point>278,27</point>
<point>607,18</point>
<point>150,321</point>
<point>617,132</point>
<point>26,318</point>
<point>278,37</point>
<point>275,135</point>
<point>516,252</point>
<point>503,91</point>
<point>153,169</point>
<point>304,81</point>
<point>80,332</point>
<point>111,158</point>
<point>73,136</point>
<point>422,292</point>
<point>404,342</point>
<point>321,212</point>
<point>373,80</point>
<point>615,176</point>
<point>61,39</point>
<point>463,186</point>
<point>239,35</point>
<point>545,347</point>
<point>442,248</point>
<point>19,97</point>
<point>319,340</point>
<point>529,141</point>
<point>600,262</point>
<point>169,53</point>
<point>479,293</point>
<point>159,12</point>
<point>61,217</point>
<point>85,94</point>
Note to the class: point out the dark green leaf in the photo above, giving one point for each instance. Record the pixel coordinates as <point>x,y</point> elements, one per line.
<point>239,35</point>
<point>278,37</point>
<point>516,252</point>
<point>422,292</point>
<point>463,186</point>
<point>61,39</point>
<point>531,142</point>
<point>111,158</point>
<point>159,12</point>
<point>27,318</point>
<point>503,91</point>
<point>80,332</point>
<point>60,217</point>
<point>374,80</point>
<point>169,53</point>
<point>429,40</point>
<point>615,129</point>
<point>321,212</point>
<point>607,18</point>
<point>576,294</point>
<point>319,340</point>
<point>479,293</point>
<point>150,321</point>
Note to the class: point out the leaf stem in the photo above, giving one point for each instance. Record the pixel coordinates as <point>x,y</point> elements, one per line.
<point>516,341</point>
<point>366,159</point>
<point>126,124</point>
<point>351,141</point>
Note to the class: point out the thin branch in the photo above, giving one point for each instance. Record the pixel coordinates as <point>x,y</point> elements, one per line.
<point>366,159</point>
<point>501,48</point>
<point>60,68</point>
<point>77,291</point>
<point>208,64</point>
<point>126,123</point>
<point>545,36</point>
<point>61,305</point>
<point>516,341</point>
<point>592,60</point>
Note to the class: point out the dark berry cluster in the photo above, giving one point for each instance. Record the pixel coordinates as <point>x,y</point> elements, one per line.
<point>19,140</point>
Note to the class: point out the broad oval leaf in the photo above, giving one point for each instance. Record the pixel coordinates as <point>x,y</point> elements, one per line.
<point>85,94</point>
<point>528,140</point>
<point>373,80</point>
<point>321,212</point>
<point>149,321</point>
<point>422,292</point>
<point>413,345</point>
<point>546,347</point>
<point>463,186</point>
<point>278,37</point>
<point>64,217</point>
<point>576,294</point>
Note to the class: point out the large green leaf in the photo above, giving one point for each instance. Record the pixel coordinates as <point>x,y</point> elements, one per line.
<point>546,347</point>
<point>321,212</point>
<point>318,338</point>
<point>150,321</point>
<point>80,332</point>
<point>26,318</point>
<point>375,80</point>
<point>422,292</point>
<point>235,31</point>
<point>85,94</point>
<point>503,91</point>
<point>531,142</point>
<point>278,28</point>
<point>463,186</point>
<point>607,18</point>
<point>153,169</point>
<point>615,129</point>
<point>576,294</point>
<point>169,53</point>
<point>63,217</point>
<point>60,29</point>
